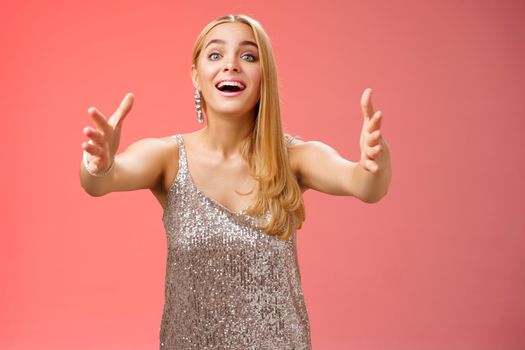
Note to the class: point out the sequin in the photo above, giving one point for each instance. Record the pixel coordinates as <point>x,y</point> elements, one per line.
<point>229,285</point>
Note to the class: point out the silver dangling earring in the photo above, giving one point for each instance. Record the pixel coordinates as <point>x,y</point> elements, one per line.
<point>197,96</point>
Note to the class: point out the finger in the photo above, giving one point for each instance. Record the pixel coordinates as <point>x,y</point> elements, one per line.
<point>373,152</point>
<point>123,109</point>
<point>371,166</point>
<point>366,104</point>
<point>92,149</point>
<point>94,135</point>
<point>373,138</point>
<point>375,122</point>
<point>94,164</point>
<point>99,119</point>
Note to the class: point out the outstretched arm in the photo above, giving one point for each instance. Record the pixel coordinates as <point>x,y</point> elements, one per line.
<point>321,168</point>
<point>141,165</point>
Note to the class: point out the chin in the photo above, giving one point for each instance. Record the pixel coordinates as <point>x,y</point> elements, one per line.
<point>233,109</point>
<point>232,112</point>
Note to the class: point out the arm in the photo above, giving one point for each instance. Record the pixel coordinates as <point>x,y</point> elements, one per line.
<point>140,166</point>
<point>321,168</point>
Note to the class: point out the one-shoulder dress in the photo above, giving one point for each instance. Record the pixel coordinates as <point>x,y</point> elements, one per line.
<point>229,285</point>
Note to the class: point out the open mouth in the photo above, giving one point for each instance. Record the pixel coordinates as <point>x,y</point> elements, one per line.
<point>230,86</point>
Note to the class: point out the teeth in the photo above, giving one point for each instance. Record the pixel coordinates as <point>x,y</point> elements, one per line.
<point>230,83</point>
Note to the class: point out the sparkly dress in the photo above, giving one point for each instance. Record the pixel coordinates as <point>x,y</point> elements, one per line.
<point>229,285</point>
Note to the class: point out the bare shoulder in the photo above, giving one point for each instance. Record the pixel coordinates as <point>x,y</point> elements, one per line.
<point>296,148</point>
<point>157,157</point>
<point>153,144</point>
<point>301,151</point>
<point>318,166</point>
<point>170,149</point>
<point>156,149</point>
<point>295,144</point>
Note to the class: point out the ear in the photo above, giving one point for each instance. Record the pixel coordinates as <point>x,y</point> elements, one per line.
<point>194,77</point>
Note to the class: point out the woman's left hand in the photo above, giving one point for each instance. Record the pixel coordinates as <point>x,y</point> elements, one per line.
<point>374,149</point>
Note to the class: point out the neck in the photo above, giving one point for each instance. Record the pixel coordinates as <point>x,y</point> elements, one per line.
<point>225,134</point>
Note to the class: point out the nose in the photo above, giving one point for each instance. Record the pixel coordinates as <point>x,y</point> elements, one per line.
<point>231,65</point>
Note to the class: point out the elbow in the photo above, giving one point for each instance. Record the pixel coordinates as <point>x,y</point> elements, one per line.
<point>92,192</point>
<point>370,200</point>
<point>374,198</point>
<point>96,194</point>
<point>375,195</point>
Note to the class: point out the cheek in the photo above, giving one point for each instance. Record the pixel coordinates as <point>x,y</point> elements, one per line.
<point>206,73</point>
<point>204,78</point>
<point>256,78</point>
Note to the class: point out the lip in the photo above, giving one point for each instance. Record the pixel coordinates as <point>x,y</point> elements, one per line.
<point>230,94</point>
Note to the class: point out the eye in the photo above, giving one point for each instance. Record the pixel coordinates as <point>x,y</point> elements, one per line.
<point>214,56</point>
<point>249,57</point>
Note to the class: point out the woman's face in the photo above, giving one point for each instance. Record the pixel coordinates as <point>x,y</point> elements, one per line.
<point>228,71</point>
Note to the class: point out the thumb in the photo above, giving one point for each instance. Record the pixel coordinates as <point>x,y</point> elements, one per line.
<point>123,109</point>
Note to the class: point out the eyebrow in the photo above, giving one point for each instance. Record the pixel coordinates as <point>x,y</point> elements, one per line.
<point>243,43</point>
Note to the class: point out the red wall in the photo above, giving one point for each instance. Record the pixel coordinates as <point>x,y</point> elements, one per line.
<point>437,264</point>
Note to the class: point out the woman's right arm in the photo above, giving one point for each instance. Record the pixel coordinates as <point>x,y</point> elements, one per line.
<point>140,166</point>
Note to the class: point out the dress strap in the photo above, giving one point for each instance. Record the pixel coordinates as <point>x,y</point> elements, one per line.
<point>289,139</point>
<point>183,161</point>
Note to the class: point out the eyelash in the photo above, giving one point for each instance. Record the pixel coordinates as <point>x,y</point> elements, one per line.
<point>252,59</point>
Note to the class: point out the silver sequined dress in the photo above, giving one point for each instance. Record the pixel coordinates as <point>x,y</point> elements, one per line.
<point>229,285</point>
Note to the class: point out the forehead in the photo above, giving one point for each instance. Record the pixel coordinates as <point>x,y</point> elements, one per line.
<point>230,33</point>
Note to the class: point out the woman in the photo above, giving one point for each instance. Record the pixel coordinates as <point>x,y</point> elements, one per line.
<point>232,195</point>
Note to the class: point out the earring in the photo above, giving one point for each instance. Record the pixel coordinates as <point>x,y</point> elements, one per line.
<point>197,96</point>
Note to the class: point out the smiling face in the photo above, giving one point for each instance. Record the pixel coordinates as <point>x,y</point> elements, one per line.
<point>228,71</point>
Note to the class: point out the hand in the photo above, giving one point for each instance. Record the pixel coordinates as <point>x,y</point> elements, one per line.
<point>374,149</point>
<point>105,138</point>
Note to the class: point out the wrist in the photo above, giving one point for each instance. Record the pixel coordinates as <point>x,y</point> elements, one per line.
<point>85,163</point>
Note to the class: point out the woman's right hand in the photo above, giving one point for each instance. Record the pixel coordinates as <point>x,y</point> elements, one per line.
<point>105,138</point>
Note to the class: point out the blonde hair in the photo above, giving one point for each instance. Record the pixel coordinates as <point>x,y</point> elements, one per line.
<point>266,150</point>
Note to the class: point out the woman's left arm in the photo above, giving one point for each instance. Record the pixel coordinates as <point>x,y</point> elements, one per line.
<point>321,168</point>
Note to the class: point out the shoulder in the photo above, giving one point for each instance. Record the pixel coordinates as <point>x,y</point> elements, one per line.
<point>301,151</point>
<point>298,152</point>
<point>153,151</point>
<point>163,151</point>
<point>154,147</point>
<point>154,143</point>
<point>295,143</point>
<point>167,141</point>
<point>307,157</point>
<point>169,146</point>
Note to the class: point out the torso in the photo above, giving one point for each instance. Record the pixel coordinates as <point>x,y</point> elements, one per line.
<point>229,284</point>
<point>223,180</point>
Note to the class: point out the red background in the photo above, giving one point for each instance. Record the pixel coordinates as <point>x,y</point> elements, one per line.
<point>437,264</point>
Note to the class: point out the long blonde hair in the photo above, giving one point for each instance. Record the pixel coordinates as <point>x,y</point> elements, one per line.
<point>266,151</point>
